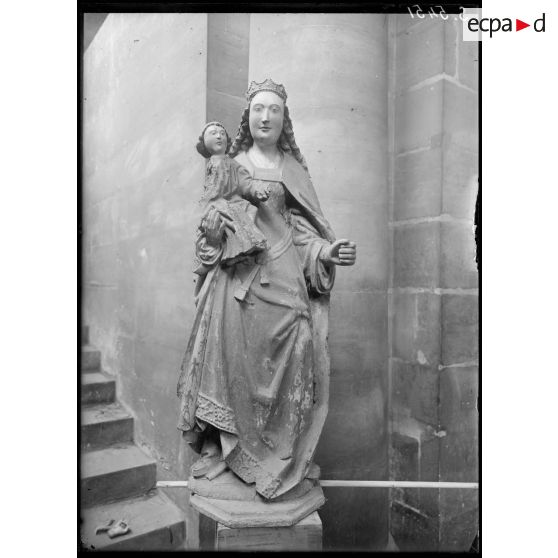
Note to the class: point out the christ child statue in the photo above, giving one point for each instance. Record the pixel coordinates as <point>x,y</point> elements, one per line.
<point>228,191</point>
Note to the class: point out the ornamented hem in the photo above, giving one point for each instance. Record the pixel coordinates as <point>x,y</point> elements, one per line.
<point>215,414</point>
<point>248,468</point>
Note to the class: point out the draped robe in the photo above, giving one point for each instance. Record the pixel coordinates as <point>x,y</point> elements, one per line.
<point>256,365</point>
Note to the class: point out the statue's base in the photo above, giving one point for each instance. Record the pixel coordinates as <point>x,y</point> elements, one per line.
<point>305,535</point>
<point>237,514</point>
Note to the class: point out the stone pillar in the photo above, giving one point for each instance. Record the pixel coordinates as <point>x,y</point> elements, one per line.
<point>334,67</point>
<point>434,294</point>
<point>227,68</point>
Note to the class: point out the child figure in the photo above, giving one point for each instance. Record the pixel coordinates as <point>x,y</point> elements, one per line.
<point>227,188</point>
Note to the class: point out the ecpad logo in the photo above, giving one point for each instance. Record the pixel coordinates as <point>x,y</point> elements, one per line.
<point>475,26</point>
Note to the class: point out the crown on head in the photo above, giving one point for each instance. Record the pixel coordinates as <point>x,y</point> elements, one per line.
<point>267,85</point>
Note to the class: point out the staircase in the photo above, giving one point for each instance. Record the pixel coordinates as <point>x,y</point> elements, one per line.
<point>117,477</point>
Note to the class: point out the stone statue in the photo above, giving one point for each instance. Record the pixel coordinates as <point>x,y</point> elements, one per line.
<point>255,376</point>
<point>227,187</point>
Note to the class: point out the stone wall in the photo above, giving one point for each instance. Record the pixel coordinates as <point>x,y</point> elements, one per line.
<point>434,285</point>
<point>144,106</point>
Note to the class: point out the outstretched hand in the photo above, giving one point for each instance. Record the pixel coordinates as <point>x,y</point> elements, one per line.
<point>341,252</point>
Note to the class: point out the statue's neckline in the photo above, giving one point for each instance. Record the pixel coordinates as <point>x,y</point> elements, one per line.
<point>277,167</point>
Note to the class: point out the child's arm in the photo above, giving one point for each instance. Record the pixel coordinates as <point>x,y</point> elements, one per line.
<point>255,191</point>
<point>217,183</point>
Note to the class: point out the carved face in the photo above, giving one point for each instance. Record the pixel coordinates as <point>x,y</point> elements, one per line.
<point>266,117</point>
<point>215,140</point>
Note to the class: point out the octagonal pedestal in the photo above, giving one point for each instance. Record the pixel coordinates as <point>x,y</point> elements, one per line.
<point>258,513</point>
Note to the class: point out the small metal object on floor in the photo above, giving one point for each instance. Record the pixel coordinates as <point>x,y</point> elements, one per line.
<point>121,528</point>
<point>104,527</point>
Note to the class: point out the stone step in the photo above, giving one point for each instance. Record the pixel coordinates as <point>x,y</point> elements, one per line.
<point>155,524</point>
<point>116,472</point>
<point>90,358</point>
<point>104,425</point>
<point>84,335</point>
<point>97,388</point>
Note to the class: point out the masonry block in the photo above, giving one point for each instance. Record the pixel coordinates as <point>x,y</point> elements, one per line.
<point>414,452</point>
<point>425,500</point>
<point>84,335</point>
<point>459,519</point>
<point>227,68</point>
<point>468,64</point>
<point>412,530</point>
<point>227,52</point>
<point>459,419</point>
<point>306,535</point>
<point>418,184</point>
<point>416,255</point>
<point>352,316</point>
<point>415,389</point>
<point>460,184</point>
<point>423,51</point>
<point>371,271</point>
<point>368,453</point>
<point>457,501</point>
<point>114,473</point>
<point>419,118</point>
<point>460,328</point>
<point>105,425</point>
<point>90,358</point>
<point>349,516</point>
<point>416,327</point>
<point>416,459</point>
<point>458,267</point>
<point>404,457</point>
<point>97,388</point>
<point>460,116</point>
<point>430,456</point>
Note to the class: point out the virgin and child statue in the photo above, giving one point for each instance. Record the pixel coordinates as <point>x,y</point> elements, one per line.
<point>253,385</point>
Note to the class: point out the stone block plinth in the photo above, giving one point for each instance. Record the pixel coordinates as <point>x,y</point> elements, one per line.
<point>306,535</point>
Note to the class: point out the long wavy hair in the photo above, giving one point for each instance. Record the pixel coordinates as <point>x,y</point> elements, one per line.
<point>286,141</point>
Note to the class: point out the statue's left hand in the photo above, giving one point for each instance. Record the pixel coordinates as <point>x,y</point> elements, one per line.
<point>213,225</point>
<point>341,252</point>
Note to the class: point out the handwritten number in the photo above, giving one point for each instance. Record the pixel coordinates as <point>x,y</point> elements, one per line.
<point>443,13</point>
<point>419,11</point>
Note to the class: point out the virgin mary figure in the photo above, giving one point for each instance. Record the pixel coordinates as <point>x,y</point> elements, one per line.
<point>254,380</point>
